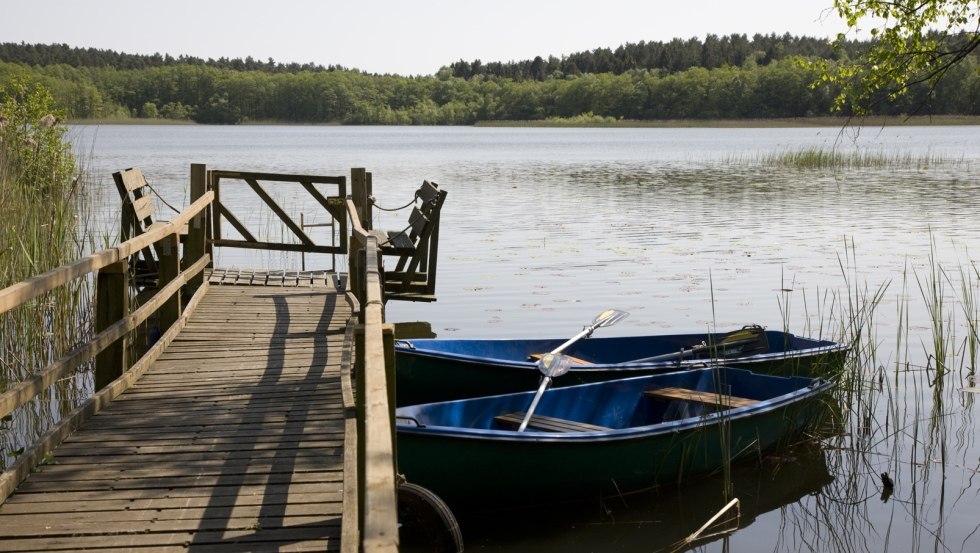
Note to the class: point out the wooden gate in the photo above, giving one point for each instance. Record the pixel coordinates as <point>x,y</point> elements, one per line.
<point>332,205</point>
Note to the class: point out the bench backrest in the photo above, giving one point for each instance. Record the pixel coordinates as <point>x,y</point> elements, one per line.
<point>137,216</point>
<point>414,275</point>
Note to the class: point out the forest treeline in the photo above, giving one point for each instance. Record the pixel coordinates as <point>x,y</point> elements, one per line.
<point>730,77</point>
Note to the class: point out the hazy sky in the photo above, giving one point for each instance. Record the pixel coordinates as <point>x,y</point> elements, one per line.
<point>388,36</point>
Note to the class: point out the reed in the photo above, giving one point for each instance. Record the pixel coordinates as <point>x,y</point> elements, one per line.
<point>814,157</point>
<point>40,198</point>
<point>904,416</point>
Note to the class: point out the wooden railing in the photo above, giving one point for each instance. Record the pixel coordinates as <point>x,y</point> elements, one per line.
<point>374,383</point>
<point>114,321</point>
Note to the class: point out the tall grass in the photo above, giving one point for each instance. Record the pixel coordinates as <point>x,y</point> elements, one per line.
<point>905,417</point>
<point>39,230</point>
<point>816,157</point>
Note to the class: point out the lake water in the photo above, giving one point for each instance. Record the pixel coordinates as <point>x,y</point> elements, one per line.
<point>688,230</point>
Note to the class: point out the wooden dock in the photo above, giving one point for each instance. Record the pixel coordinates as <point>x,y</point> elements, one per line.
<point>260,419</point>
<point>232,440</point>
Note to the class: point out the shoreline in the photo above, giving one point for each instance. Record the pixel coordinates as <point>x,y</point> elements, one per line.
<point>870,121</point>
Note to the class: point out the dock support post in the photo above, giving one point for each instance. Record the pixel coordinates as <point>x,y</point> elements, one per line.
<point>111,305</point>
<point>195,243</point>
<point>360,191</point>
<point>169,269</point>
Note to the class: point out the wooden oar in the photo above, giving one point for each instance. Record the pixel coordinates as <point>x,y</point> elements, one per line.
<point>749,340</point>
<point>554,364</point>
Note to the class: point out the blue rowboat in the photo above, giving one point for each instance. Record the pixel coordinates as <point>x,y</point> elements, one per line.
<point>436,369</point>
<point>602,438</point>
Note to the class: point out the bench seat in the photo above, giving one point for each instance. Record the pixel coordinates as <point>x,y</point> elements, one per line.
<point>708,398</point>
<point>548,424</point>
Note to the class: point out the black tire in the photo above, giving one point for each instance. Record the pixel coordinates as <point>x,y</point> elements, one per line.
<point>425,521</point>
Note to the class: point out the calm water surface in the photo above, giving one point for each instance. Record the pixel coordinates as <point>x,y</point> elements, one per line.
<point>687,230</point>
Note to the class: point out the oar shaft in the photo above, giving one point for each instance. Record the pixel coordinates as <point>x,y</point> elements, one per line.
<point>534,403</point>
<point>587,331</point>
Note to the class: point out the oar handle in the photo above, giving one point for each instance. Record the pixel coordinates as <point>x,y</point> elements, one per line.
<point>534,403</point>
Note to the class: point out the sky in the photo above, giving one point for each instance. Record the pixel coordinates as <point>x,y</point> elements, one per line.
<point>410,37</point>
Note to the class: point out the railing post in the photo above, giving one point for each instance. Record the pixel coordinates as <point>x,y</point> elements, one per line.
<point>360,191</point>
<point>195,243</point>
<point>111,305</point>
<point>355,273</point>
<point>169,269</point>
<point>388,339</point>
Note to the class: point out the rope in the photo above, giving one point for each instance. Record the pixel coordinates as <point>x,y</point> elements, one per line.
<point>157,194</point>
<point>376,206</point>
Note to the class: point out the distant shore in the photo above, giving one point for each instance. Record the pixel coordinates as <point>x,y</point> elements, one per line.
<point>874,121</point>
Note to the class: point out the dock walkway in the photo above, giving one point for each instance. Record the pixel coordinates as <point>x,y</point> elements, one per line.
<point>232,440</point>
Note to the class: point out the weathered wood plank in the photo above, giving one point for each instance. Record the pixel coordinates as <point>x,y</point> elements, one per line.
<point>144,522</point>
<point>116,501</point>
<point>62,500</point>
<point>316,538</point>
<point>233,439</point>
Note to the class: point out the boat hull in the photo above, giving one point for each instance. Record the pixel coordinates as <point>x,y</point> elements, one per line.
<point>430,370</point>
<point>469,462</point>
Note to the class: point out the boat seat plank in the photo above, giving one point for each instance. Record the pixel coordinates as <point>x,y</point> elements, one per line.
<point>548,424</point>
<point>709,398</point>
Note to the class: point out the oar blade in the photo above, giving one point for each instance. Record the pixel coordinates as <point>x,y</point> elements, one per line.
<point>609,317</point>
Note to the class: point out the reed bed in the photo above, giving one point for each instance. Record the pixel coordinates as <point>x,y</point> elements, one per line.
<point>809,158</point>
<point>40,198</point>
<point>901,448</point>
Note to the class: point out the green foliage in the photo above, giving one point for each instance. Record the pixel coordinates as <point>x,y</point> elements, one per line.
<point>33,153</point>
<point>738,78</point>
<point>149,111</point>
<point>914,42</point>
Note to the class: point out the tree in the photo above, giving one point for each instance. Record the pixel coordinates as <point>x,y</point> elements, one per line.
<point>913,42</point>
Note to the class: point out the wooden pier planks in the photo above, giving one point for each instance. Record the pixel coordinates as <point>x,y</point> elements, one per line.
<point>233,440</point>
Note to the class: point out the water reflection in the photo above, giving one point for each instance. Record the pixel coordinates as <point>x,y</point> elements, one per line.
<point>659,520</point>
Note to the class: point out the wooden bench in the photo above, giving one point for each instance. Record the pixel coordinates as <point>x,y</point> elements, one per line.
<point>137,217</point>
<point>708,398</point>
<point>416,247</point>
<point>548,424</point>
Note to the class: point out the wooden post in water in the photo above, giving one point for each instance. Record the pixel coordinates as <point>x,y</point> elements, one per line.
<point>196,241</point>
<point>111,305</point>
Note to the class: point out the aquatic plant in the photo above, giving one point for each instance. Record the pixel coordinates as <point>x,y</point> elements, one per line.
<point>902,424</point>
<point>815,157</point>
<point>40,198</point>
